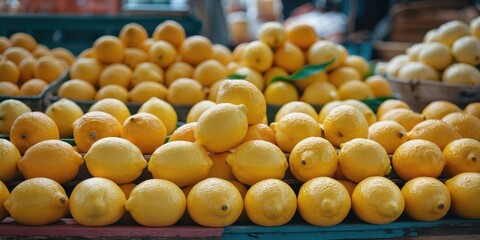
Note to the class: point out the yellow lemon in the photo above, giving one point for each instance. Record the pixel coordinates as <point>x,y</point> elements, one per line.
<point>359,63</point>
<point>10,110</point>
<point>320,93</point>
<point>116,73</point>
<point>323,201</point>
<point>4,195</point>
<point>256,160</point>
<point>461,73</point>
<point>134,56</point>
<point>437,55</point>
<point>184,163</point>
<point>473,109</point>
<point>439,109</point>
<point>87,69</point>
<point>355,89</point>
<point>9,70</point>
<point>222,54</point>
<point>273,72</point>
<point>52,159</point>
<point>9,157</point>
<point>466,50</point>
<point>243,92</point>
<point>170,31</point>
<point>462,155</point>
<point>296,106</point>
<point>132,35</point>
<point>362,158</point>
<point>272,33</point>
<point>97,202</point>
<point>162,53</point>
<point>195,49</point>
<point>64,113</point>
<point>313,157</point>
<point>426,199</point>
<point>302,35</point>
<point>364,108</point>
<point>214,202</point>
<point>418,158</point>
<point>341,75</point>
<point>270,202</point>
<point>162,110</point>
<point>405,117</point>
<point>389,134</point>
<point>464,190</point>
<point>37,201</point>
<point>260,131</point>
<point>23,40</point>
<point>112,91</point>
<point>156,203</point>
<point>147,71</point>
<point>280,93</point>
<point>109,49</point>
<point>377,200</point>
<point>379,86</point>
<point>257,55</point>
<point>116,159</point>
<point>252,76</point>
<point>418,70</point>
<point>345,123</point>
<point>294,127</point>
<point>144,130</point>
<point>209,71</point>
<point>185,132</point>
<point>222,127</point>
<point>436,131</point>
<point>144,91</point>
<point>452,30</point>
<point>77,89</point>
<point>185,91</point>
<point>323,51</point>
<point>289,57</point>
<point>9,89</point>
<point>327,108</point>
<point>198,109</point>
<point>349,185</point>
<point>178,70</point>
<point>390,104</point>
<point>465,124</point>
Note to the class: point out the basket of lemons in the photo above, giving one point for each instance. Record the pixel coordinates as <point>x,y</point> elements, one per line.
<point>442,67</point>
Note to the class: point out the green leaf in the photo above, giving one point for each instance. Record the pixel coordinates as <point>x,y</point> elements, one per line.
<point>236,76</point>
<point>305,72</point>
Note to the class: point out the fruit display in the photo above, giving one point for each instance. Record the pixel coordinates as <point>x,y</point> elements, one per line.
<point>324,158</point>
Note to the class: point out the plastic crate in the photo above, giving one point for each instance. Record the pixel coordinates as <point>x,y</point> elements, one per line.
<point>78,32</point>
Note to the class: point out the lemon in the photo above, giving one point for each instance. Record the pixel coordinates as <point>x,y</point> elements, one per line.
<point>320,93</point>
<point>475,27</point>
<point>355,89</point>
<point>94,126</point>
<point>349,185</point>
<point>364,108</point>
<point>198,109</point>
<point>184,163</point>
<point>116,159</point>
<point>251,75</point>
<point>465,124</point>
<point>257,160</point>
<point>389,134</point>
<point>112,106</point>
<point>323,201</point>
<point>220,168</point>
<point>280,93</point>
<point>362,158</point>
<point>426,199</point>
<point>377,200</point>
<point>260,131</point>
<point>296,106</point>
<point>294,127</point>
<point>405,117</point>
<point>117,73</point>
<point>243,92</point>
<point>147,72</point>
<point>185,91</point>
<point>178,70</point>
<point>341,75</point>
<point>272,33</point>
<point>462,155</point>
<point>327,108</point>
<point>4,194</point>
<point>323,51</point>
<point>258,56</point>
<point>64,112</point>
<point>345,123</point>
<point>270,202</point>
<point>436,131</point>
<point>467,50</point>
<point>473,109</point>
<point>359,63</point>
<point>10,110</point>
<point>461,73</point>
<point>379,86</point>
<point>435,54</point>
<point>209,71</point>
<point>37,201</point>
<point>395,64</point>
<point>418,70</point>
<point>222,127</point>
<point>439,109</point>
<point>390,104</point>
<point>313,157</point>
<point>464,190</point>
<point>222,54</point>
<point>414,50</point>
<point>97,202</point>
<point>214,202</point>
<point>418,158</point>
<point>52,159</point>
<point>453,30</point>
<point>9,157</point>
<point>162,110</point>
<point>156,203</point>
<point>185,132</point>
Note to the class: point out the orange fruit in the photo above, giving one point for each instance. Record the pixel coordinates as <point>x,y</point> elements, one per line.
<point>147,44</point>
<point>23,40</point>
<point>289,57</point>
<point>196,49</point>
<point>171,32</point>
<point>260,131</point>
<point>32,128</point>
<point>48,69</point>
<point>144,130</point>
<point>112,91</point>
<point>94,126</point>
<point>162,53</point>
<point>41,52</point>
<point>220,168</point>
<point>116,73</point>
<point>9,71</point>
<point>418,158</point>
<point>52,159</point>
<point>109,49</point>
<point>134,56</point>
<point>462,156</point>
<point>178,70</point>
<point>77,89</point>
<point>209,71</point>
<point>9,89</point>
<point>133,35</point>
<point>302,35</point>
<point>4,44</point>
<point>185,132</point>
<point>33,87</point>
<point>87,69</point>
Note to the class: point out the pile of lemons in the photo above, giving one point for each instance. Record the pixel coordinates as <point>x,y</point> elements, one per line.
<point>449,53</point>
<point>28,67</point>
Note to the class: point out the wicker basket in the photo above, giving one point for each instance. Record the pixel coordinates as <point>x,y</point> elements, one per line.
<point>419,93</point>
